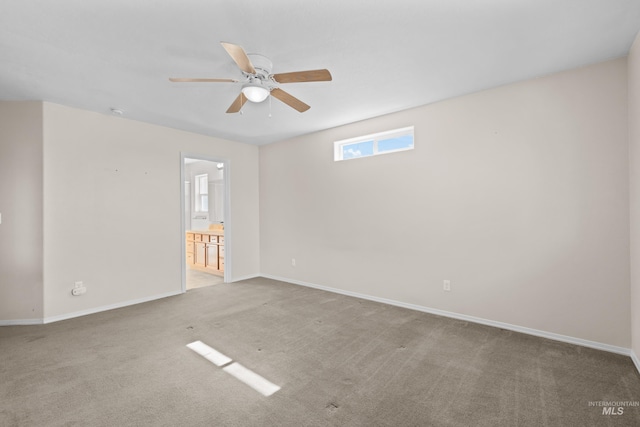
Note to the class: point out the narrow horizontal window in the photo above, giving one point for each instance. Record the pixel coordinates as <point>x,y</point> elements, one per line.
<point>371,145</point>
<point>357,149</point>
<point>404,142</point>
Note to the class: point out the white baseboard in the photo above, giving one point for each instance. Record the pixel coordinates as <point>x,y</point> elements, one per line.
<point>508,326</point>
<point>20,322</point>
<point>635,360</point>
<point>66,316</point>
<point>57,318</point>
<point>252,276</point>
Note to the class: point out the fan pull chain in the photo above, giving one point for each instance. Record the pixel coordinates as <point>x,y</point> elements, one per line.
<point>269,105</point>
<point>241,103</point>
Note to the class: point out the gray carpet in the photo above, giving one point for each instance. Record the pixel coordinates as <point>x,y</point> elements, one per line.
<point>340,361</point>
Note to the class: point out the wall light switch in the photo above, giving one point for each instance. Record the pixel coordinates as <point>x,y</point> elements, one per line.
<point>446,285</point>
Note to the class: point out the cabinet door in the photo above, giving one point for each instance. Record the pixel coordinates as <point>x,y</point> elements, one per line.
<point>190,253</point>
<point>200,254</point>
<point>212,256</point>
<point>221,257</point>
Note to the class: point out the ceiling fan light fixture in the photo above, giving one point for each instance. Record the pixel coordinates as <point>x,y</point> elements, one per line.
<point>258,81</point>
<point>255,92</point>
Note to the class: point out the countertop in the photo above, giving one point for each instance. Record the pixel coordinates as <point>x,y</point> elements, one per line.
<point>208,232</point>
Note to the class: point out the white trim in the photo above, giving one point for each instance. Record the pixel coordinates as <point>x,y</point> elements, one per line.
<point>635,360</point>
<point>228,223</point>
<point>51,319</point>
<point>375,138</point>
<point>508,326</point>
<point>108,307</point>
<point>228,240</point>
<point>198,192</point>
<point>183,231</point>
<point>20,322</point>
<point>251,276</point>
<point>380,135</point>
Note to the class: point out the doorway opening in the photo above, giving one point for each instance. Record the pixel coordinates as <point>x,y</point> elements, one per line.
<point>205,221</point>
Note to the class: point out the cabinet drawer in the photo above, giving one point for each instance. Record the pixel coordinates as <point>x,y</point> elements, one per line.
<point>221,239</point>
<point>190,259</point>
<point>221,251</point>
<point>189,247</point>
<point>190,237</point>
<point>198,237</point>
<point>213,239</point>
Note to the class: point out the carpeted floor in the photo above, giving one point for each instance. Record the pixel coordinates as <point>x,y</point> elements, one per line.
<point>339,361</point>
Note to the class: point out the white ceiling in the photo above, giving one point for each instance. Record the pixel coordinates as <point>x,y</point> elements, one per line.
<point>384,56</point>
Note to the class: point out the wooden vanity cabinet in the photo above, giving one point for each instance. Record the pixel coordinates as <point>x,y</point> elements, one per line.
<point>190,249</point>
<point>221,252</point>
<point>215,247</point>
<point>205,251</point>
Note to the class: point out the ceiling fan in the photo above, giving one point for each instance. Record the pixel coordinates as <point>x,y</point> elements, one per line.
<point>258,82</point>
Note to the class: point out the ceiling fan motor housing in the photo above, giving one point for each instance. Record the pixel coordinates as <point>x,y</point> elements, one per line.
<point>259,85</point>
<point>262,65</point>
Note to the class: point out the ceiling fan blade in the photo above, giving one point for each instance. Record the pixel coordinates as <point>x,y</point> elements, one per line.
<point>291,101</point>
<point>240,57</point>
<point>237,104</point>
<point>303,76</point>
<point>188,80</point>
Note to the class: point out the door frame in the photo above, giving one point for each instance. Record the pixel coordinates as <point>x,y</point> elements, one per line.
<point>228,235</point>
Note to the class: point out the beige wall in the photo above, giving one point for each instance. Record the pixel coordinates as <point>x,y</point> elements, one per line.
<point>21,208</point>
<point>634,178</point>
<point>112,215</point>
<point>518,195</point>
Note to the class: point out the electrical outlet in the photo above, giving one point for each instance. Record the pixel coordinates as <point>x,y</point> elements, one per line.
<point>446,285</point>
<point>293,262</point>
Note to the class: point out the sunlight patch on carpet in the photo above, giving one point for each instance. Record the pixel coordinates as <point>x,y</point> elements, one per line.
<point>250,378</point>
<point>247,376</point>
<point>209,353</point>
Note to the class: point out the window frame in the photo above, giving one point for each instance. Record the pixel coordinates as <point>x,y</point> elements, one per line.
<point>338,146</point>
<point>198,193</point>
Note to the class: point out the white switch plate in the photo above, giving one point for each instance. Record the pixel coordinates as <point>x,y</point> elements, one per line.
<point>78,285</point>
<point>446,285</point>
<point>293,262</point>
